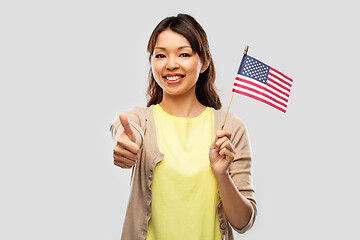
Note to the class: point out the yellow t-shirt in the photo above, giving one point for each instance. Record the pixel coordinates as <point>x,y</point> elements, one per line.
<point>184,189</point>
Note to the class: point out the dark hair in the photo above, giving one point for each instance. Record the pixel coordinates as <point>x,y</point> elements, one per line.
<point>187,26</point>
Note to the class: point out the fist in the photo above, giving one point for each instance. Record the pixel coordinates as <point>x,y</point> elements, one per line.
<point>221,154</point>
<point>126,151</point>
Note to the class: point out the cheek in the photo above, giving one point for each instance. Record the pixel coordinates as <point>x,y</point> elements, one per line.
<point>155,70</point>
<point>196,68</point>
<point>156,74</point>
<point>196,65</point>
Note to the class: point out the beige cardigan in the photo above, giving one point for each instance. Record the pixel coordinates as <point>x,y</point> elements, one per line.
<point>138,210</point>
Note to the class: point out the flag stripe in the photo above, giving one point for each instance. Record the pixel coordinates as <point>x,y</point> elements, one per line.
<point>259,99</point>
<point>284,82</point>
<point>265,96</point>
<point>283,85</point>
<point>284,79</point>
<point>268,85</point>
<point>260,87</point>
<point>281,74</point>
<point>278,84</point>
<point>276,89</point>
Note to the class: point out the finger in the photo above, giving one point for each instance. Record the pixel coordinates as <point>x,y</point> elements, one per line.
<point>124,160</point>
<point>128,145</point>
<point>126,125</point>
<point>220,141</point>
<point>122,165</point>
<point>222,133</point>
<point>227,144</point>
<point>125,153</point>
<point>227,153</point>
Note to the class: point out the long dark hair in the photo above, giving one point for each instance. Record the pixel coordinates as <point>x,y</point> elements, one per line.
<point>187,26</point>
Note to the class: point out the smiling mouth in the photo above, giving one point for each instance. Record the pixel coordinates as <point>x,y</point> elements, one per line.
<point>173,79</point>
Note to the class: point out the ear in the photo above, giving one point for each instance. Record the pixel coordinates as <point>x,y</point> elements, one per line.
<point>205,66</point>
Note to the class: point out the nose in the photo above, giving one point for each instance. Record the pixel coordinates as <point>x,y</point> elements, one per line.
<point>172,64</point>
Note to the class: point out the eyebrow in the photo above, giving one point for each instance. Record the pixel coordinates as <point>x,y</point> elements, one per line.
<point>179,48</point>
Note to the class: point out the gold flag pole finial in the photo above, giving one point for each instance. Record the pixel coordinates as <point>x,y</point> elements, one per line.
<point>232,94</point>
<point>246,50</point>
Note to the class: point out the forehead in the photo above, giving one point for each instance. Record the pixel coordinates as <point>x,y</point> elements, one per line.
<point>169,39</point>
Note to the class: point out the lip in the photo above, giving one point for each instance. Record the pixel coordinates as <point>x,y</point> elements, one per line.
<point>173,82</point>
<point>172,75</point>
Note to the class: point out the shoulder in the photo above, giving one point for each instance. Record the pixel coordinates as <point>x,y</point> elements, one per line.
<point>139,114</point>
<point>137,110</point>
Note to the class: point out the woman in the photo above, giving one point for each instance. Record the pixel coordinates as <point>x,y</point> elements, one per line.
<point>190,179</point>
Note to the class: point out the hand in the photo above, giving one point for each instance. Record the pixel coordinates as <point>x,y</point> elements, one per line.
<point>221,154</point>
<point>126,151</point>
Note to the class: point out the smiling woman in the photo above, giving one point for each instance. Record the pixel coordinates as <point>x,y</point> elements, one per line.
<point>190,179</point>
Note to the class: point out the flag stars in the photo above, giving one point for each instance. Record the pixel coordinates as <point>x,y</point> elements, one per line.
<point>255,69</point>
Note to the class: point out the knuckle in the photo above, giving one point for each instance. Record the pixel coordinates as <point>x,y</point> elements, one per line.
<point>116,155</point>
<point>115,150</point>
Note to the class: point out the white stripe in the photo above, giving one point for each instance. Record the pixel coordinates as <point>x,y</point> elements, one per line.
<point>260,96</point>
<point>272,80</point>
<point>265,86</point>
<point>260,90</point>
<point>276,80</point>
<point>285,79</point>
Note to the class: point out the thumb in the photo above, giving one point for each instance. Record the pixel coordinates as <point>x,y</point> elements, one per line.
<point>126,125</point>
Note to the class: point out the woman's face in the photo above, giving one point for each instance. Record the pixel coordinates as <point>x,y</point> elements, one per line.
<point>174,65</point>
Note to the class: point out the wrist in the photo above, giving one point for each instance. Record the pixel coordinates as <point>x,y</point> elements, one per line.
<point>222,176</point>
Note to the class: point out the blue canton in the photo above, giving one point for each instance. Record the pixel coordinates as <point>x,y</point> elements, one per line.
<point>252,68</point>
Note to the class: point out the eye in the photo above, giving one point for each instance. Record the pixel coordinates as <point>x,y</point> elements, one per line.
<point>159,56</point>
<point>185,55</point>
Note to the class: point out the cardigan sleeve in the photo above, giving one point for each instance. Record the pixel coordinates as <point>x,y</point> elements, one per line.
<point>241,170</point>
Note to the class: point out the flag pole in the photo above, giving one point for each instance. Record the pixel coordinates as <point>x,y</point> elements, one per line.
<point>232,93</point>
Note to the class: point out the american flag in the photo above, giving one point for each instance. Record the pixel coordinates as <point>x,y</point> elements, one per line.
<point>262,82</point>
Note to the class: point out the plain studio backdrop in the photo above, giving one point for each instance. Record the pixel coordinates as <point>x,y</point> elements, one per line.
<point>67,68</point>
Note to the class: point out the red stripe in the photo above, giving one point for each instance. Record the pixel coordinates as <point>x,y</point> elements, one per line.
<point>281,74</point>
<point>262,94</point>
<point>259,99</point>
<point>284,82</point>
<point>276,89</point>
<point>261,87</point>
<point>273,81</point>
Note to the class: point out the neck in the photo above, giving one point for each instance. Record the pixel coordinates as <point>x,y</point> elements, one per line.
<point>182,106</point>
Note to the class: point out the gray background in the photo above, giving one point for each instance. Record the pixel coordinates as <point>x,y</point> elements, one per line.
<point>67,68</point>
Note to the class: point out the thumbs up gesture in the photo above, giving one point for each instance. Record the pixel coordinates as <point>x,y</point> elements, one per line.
<point>126,151</point>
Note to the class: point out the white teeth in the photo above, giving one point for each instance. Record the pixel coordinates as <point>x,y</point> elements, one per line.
<point>173,78</point>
